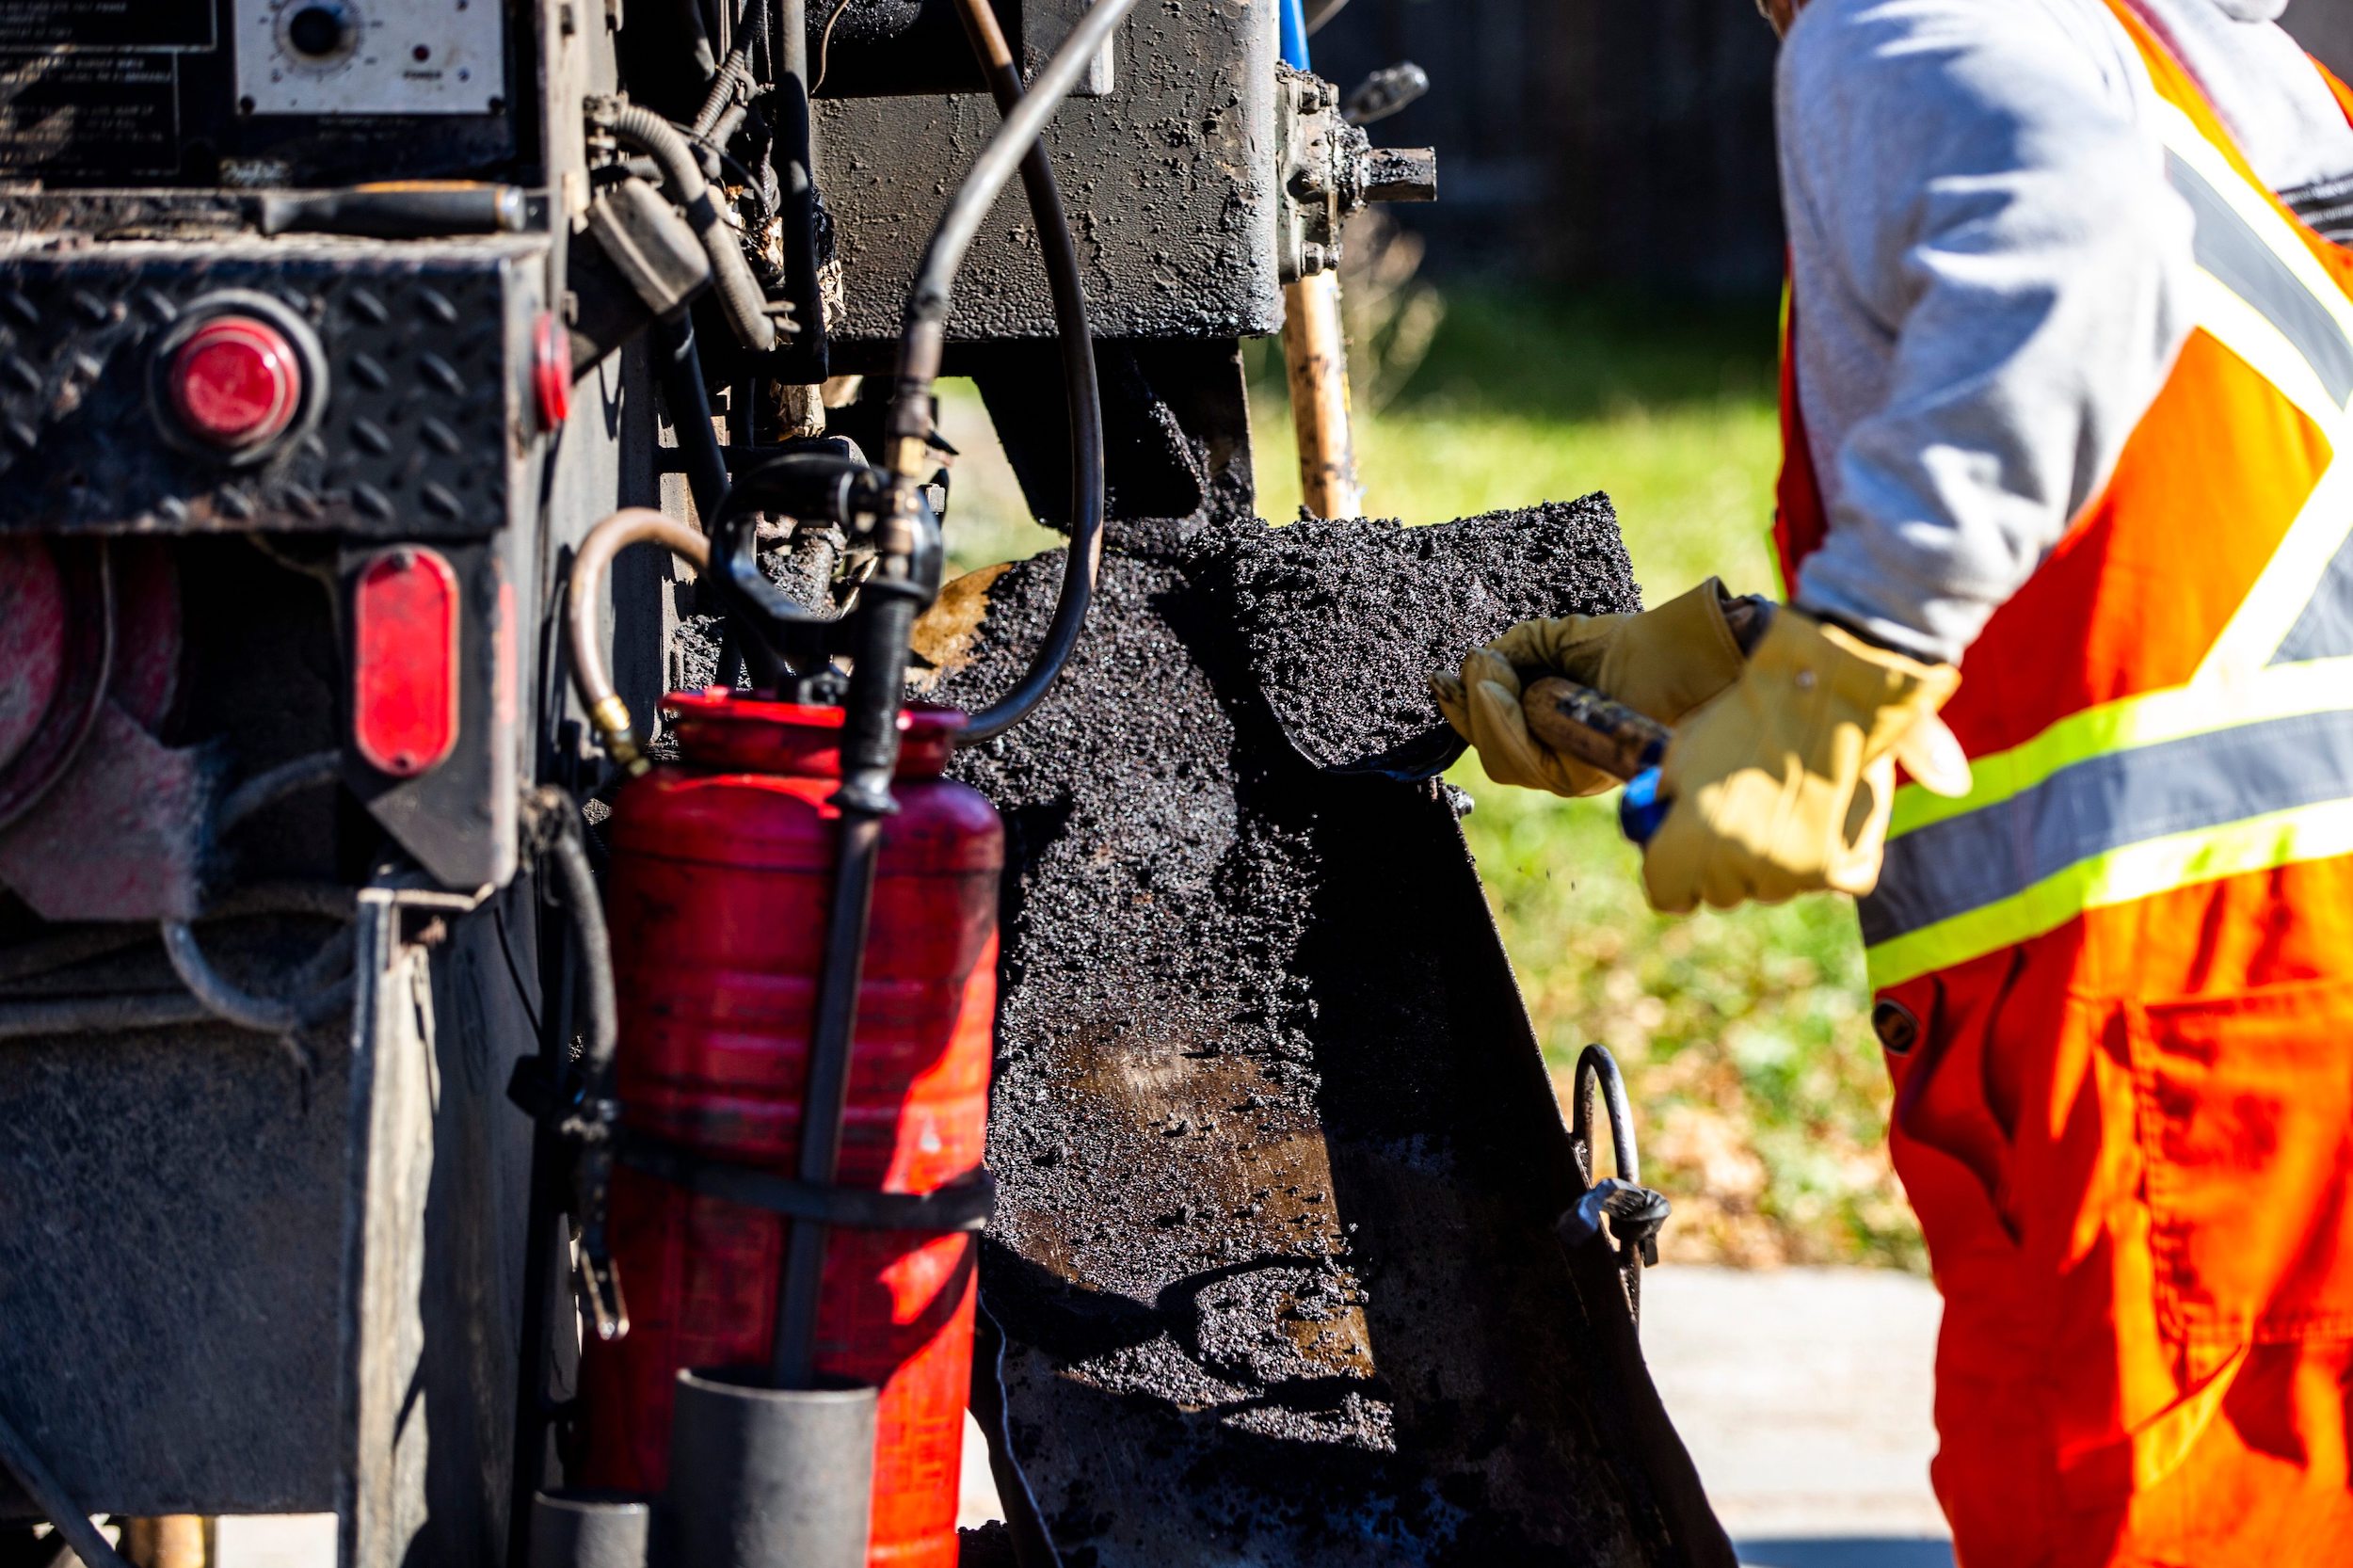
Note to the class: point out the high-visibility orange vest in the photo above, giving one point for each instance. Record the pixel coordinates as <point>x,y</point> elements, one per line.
<point>2169,700</point>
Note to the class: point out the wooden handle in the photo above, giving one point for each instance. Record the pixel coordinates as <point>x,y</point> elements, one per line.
<point>1590,728</point>
<point>1314,350</point>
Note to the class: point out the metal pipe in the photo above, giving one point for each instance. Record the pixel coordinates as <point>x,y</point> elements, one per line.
<point>739,293</point>
<point>1083,562</point>
<point>35,1480</point>
<point>585,597</point>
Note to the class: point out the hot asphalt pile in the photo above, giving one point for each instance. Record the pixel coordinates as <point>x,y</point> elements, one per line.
<point>1277,1156</point>
<point>1341,621</point>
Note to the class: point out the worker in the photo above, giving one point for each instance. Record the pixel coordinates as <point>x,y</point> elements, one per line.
<point>2068,356</point>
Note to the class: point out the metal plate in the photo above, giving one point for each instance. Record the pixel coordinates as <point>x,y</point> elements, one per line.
<point>1169,180</point>
<point>420,435</point>
<point>370,56</point>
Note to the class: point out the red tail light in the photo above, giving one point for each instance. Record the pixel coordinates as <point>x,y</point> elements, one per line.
<point>236,382</point>
<point>404,665</point>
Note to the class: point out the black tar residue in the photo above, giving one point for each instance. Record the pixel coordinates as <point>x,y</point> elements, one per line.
<point>1343,621</point>
<point>1278,1161</point>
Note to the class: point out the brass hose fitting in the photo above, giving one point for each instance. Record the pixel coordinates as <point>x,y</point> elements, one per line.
<point>615,729</point>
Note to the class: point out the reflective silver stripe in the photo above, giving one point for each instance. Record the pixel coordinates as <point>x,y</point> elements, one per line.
<point>2230,248</point>
<point>2325,629</point>
<point>2105,803</point>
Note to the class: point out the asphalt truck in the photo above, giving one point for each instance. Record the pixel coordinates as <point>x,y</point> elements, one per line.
<point>529,913</point>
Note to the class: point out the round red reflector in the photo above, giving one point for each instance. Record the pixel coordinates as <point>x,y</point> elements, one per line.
<point>235,382</point>
<point>552,370</point>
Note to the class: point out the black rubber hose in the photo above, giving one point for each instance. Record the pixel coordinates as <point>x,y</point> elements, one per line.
<point>795,154</point>
<point>679,365</point>
<point>1083,564</point>
<point>35,1480</point>
<point>869,750</point>
<point>585,907</point>
<point>734,80</point>
<point>739,293</point>
<point>925,322</point>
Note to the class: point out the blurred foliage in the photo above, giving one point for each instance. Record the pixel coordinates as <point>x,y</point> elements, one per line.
<point>1759,1093</point>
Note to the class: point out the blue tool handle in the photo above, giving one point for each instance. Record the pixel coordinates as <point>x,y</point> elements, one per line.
<point>1292,43</point>
<point>1642,809</point>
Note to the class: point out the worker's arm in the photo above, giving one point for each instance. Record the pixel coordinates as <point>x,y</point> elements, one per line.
<point>1990,274</point>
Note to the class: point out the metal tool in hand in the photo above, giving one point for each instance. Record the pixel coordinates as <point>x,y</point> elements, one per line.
<point>1581,722</point>
<point>1628,746</point>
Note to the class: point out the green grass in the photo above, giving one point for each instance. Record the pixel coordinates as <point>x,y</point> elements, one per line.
<point>1759,1093</point>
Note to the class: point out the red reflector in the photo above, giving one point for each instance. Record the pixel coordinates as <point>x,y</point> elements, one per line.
<point>551,370</point>
<point>235,382</point>
<point>404,664</point>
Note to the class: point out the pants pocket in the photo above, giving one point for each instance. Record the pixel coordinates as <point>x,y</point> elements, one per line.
<point>2246,1121</point>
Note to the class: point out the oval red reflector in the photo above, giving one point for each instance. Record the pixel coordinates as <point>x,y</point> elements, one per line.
<point>404,664</point>
<point>235,382</point>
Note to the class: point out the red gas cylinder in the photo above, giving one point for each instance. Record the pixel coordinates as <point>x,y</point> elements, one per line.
<point>717,897</point>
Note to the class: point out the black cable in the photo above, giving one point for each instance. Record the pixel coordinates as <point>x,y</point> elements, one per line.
<point>679,364</point>
<point>585,907</point>
<point>1084,563</point>
<point>923,331</point>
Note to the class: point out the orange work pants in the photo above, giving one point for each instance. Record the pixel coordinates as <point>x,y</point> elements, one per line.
<point>2129,1143</point>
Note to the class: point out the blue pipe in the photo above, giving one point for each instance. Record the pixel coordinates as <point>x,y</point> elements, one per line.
<point>1294,33</point>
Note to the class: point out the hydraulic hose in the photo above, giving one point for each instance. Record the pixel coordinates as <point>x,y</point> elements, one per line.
<point>739,297</point>
<point>554,815</point>
<point>925,322</point>
<point>679,365</point>
<point>231,1003</point>
<point>1084,563</point>
<point>585,595</point>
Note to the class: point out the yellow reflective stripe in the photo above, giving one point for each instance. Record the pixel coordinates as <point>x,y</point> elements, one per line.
<point>2138,871</point>
<point>2180,135</point>
<point>2278,691</point>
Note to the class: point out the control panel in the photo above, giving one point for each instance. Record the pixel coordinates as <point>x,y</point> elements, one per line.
<point>266,94</point>
<point>370,56</point>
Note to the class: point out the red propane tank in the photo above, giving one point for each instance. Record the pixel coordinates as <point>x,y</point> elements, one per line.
<point>721,874</point>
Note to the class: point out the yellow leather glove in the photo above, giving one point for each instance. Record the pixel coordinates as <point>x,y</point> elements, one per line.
<point>1662,663</point>
<point>1783,785</point>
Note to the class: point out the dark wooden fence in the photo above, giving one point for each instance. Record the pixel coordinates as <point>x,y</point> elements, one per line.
<point>1595,140</point>
<point>2326,28</point>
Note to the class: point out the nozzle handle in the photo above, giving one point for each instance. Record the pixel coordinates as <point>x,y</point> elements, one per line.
<point>1608,735</point>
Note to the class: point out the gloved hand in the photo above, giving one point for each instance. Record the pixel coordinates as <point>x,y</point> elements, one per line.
<point>1661,663</point>
<point>1783,785</point>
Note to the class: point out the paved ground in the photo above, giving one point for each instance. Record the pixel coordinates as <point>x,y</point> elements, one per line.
<point>1803,1394</point>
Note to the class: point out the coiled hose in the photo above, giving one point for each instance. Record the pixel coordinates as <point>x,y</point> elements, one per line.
<point>739,297</point>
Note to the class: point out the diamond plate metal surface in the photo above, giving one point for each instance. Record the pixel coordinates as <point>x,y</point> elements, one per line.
<point>421,435</point>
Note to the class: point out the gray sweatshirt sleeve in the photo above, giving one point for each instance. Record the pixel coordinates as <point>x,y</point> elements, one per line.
<point>1990,275</point>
